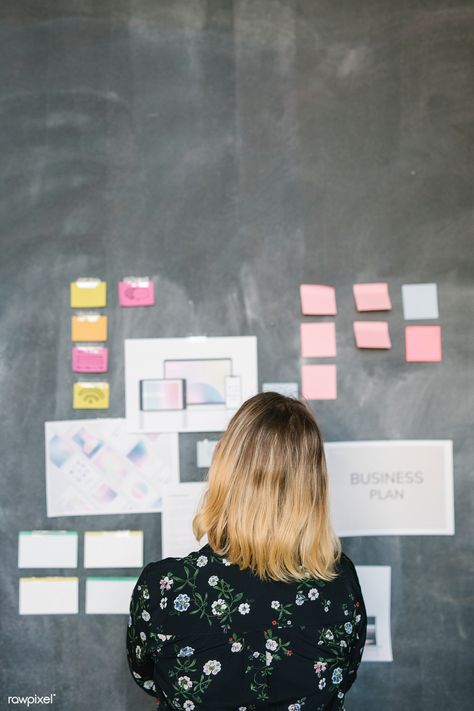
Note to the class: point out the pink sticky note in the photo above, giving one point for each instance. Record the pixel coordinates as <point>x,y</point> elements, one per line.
<point>318,340</point>
<point>372,334</point>
<point>319,382</point>
<point>318,300</point>
<point>89,359</point>
<point>136,292</point>
<point>372,297</point>
<point>423,344</point>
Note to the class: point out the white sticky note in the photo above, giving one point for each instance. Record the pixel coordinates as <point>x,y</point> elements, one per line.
<point>48,596</point>
<point>47,549</point>
<point>113,549</point>
<point>180,504</point>
<point>420,301</point>
<point>204,451</point>
<point>109,596</point>
<point>288,389</point>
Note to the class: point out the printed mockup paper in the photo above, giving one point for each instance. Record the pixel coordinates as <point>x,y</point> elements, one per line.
<point>204,365</point>
<point>113,549</point>
<point>47,549</point>
<point>180,504</point>
<point>109,596</point>
<point>375,582</point>
<point>48,596</point>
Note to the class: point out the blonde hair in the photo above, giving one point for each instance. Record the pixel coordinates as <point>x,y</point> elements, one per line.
<point>266,504</point>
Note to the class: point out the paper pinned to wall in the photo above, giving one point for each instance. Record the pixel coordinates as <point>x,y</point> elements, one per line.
<point>205,366</point>
<point>113,549</point>
<point>48,596</point>
<point>96,467</point>
<point>47,549</point>
<point>109,595</point>
<point>180,504</point>
<point>375,582</point>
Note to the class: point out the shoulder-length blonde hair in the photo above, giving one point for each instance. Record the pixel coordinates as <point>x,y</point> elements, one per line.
<point>266,504</point>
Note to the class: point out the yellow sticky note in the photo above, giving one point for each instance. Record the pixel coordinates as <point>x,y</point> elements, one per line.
<point>89,327</point>
<point>88,293</point>
<point>90,396</point>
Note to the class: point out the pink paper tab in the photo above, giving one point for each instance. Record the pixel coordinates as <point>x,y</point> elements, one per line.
<point>423,344</point>
<point>372,297</point>
<point>372,334</point>
<point>318,300</point>
<point>89,359</point>
<point>319,382</point>
<point>318,340</point>
<point>136,291</point>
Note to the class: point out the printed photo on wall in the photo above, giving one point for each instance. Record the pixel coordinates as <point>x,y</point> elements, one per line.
<point>192,384</point>
<point>96,467</point>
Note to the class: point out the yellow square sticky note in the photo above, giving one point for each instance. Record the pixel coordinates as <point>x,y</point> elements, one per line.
<point>90,396</point>
<point>89,327</point>
<point>88,293</point>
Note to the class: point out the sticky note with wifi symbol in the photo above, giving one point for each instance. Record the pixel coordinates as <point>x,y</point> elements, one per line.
<point>90,396</point>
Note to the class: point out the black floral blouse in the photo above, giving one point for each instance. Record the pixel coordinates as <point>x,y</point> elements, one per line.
<point>204,635</point>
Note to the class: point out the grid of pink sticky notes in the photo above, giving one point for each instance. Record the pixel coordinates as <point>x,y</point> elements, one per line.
<point>423,344</point>
<point>372,334</point>
<point>372,297</point>
<point>318,300</point>
<point>318,340</point>
<point>319,382</point>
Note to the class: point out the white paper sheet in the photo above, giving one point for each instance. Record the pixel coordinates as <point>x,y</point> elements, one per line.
<point>47,549</point>
<point>96,467</point>
<point>288,389</point>
<point>394,487</point>
<point>48,596</point>
<point>113,549</point>
<point>204,451</point>
<point>109,596</point>
<point>180,504</point>
<point>375,582</point>
<point>205,408</point>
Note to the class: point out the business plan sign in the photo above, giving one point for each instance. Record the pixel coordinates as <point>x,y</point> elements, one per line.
<point>393,487</point>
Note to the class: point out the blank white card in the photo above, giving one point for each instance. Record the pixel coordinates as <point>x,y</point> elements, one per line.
<point>113,549</point>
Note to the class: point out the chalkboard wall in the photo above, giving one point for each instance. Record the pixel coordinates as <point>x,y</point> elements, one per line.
<point>233,150</point>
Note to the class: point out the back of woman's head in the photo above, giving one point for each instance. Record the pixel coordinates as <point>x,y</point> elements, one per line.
<point>266,505</point>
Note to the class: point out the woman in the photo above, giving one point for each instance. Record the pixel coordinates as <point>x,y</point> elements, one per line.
<point>268,614</point>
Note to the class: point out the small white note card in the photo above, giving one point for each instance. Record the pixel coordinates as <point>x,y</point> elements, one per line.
<point>48,596</point>
<point>204,451</point>
<point>109,596</point>
<point>47,549</point>
<point>113,549</point>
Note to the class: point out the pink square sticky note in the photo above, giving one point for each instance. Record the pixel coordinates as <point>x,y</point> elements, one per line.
<point>372,297</point>
<point>318,340</point>
<point>136,291</point>
<point>89,359</point>
<point>319,382</point>
<point>372,334</point>
<point>318,300</point>
<point>423,344</point>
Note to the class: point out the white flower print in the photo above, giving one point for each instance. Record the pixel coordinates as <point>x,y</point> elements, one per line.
<point>218,607</point>
<point>275,605</point>
<point>129,620</point>
<point>201,561</point>
<point>299,599</point>
<point>226,562</point>
<point>146,615</point>
<point>149,684</point>
<point>329,635</point>
<point>211,667</point>
<point>256,654</point>
<point>164,637</point>
<point>188,705</point>
<point>146,595</point>
<point>166,583</point>
<point>236,647</point>
<point>136,675</point>
<point>185,682</point>
<point>142,636</point>
<point>294,707</point>
<point>138,651</point>
<point>242,708</point>
<point>313,594</point>
<point>244,608</point>
<point>213,580</point>
<point>322,683</point>
<point>268,659</point>
<point>271,644</point>
<point>186,651</point>
<point>163,602</point>
<point>340,695</point>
